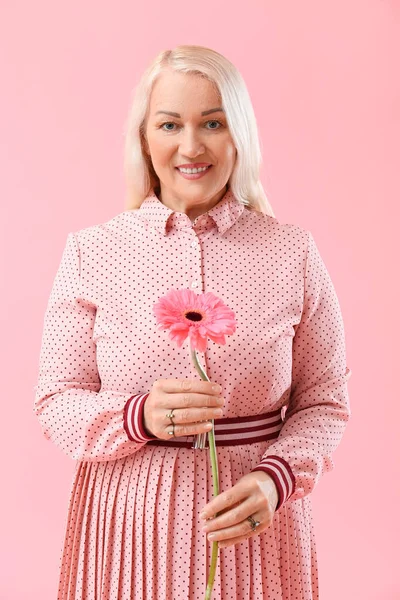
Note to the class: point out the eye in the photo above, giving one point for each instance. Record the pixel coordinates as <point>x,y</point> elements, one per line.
<point>171,123</point>
<point>166,123</point>
<point>215,121</point>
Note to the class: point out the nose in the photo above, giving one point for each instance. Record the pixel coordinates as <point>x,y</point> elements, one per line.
<point>191,144</point>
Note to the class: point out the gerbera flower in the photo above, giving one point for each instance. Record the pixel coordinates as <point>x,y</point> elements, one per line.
<point>197,316</point>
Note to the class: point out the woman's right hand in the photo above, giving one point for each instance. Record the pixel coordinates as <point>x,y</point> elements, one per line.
<point>193,401</point>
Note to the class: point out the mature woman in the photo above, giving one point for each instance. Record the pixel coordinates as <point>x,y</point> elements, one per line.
<point>116,396</point>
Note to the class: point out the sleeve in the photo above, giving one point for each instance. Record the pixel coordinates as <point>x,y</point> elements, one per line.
<point>83,421</point>
<point>318,408</point>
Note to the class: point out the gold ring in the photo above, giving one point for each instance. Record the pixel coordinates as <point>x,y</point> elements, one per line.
<point>170,415</point>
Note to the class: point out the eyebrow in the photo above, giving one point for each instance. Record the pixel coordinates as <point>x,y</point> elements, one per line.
<point>175,114</point>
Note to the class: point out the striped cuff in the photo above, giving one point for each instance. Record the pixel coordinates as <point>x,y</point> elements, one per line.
<point>282,475</point>
<point>134,419</point>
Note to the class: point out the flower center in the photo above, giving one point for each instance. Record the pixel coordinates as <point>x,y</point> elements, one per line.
<point>194,316</point>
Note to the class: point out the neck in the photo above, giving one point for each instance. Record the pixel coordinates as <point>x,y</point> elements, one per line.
<point>193,209</point>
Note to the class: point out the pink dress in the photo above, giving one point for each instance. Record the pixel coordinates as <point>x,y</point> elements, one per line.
<point>133,528</point>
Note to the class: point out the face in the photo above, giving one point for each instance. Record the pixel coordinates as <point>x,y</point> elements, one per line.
<point>188,137</point>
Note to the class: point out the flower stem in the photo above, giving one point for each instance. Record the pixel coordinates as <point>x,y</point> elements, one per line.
<point>214,554</point>
<point>215,475</point>
<point>200,439</point>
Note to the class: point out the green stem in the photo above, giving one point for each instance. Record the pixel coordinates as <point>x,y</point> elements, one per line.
<point>215,476</point>
<point>200,439</point>
<point>214,554</point>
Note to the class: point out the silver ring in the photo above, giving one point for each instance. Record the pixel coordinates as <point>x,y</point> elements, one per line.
<point>254,523</point>
<point>173,430</point>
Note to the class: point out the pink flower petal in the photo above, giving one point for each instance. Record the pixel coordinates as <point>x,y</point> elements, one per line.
<point>218,319</point>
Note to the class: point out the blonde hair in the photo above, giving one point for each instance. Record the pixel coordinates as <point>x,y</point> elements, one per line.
<point>244,181</point>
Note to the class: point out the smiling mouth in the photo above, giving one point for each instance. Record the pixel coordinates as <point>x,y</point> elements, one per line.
<point>194,170</point>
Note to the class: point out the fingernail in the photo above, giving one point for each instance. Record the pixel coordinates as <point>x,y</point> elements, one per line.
<point>203,515</point>
<point>217,388</point>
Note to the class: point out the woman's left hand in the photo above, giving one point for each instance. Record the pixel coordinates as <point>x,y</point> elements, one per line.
<point>254,495</point>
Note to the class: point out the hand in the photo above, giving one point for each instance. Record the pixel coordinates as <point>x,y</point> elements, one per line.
<point>254,495</point>
<point>194,402</point>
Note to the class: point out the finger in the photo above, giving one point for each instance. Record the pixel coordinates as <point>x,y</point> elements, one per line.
<point>194,415</point>
<point>175,386</point>
<point>241,531</point>
<point>235,494</point>
<point>191,399</point>
<point>233,515</point>
<point>184,430</point>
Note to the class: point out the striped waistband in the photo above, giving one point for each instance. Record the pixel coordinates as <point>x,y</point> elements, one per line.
<point>235,430</point>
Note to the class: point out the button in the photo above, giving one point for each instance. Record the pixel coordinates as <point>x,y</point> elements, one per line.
<point>200,219</point>
<point>195,283</point>
<point>194,244</point>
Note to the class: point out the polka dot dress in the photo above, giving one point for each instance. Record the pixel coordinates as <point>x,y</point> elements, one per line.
<point>133,527</point>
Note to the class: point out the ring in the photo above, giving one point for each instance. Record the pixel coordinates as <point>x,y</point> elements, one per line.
<point>170,415</point>
<point>173,430</point>
<point>253,523</point>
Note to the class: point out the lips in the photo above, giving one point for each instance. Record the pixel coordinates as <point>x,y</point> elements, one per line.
<point>194,166</point>
<point>191,175</point>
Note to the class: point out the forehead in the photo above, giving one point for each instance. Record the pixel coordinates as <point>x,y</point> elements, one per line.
<point>183,92</point>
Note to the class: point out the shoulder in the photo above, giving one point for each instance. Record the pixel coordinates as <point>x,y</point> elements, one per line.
<point>96,234</point>
<point>278,231</point>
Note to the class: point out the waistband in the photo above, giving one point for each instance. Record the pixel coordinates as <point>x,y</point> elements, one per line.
<point>235,430</point>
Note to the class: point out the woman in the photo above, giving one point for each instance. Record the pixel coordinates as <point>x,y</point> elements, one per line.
<point>123,402</point>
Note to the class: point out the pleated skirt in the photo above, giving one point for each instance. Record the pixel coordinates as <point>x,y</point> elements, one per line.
<point>133,532</point>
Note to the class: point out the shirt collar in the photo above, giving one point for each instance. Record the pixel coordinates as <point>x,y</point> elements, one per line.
<point>224,214</point>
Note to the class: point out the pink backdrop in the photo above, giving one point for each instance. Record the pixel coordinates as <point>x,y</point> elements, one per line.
<point>324,79</point>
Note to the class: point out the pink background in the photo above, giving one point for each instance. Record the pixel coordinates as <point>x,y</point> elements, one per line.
<point>324,80</point>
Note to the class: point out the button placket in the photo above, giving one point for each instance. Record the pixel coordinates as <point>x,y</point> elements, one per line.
<point>194,264</point>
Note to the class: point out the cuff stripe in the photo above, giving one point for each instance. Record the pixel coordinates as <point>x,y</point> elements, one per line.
<point>133,418</point>
<point>282,475</point>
